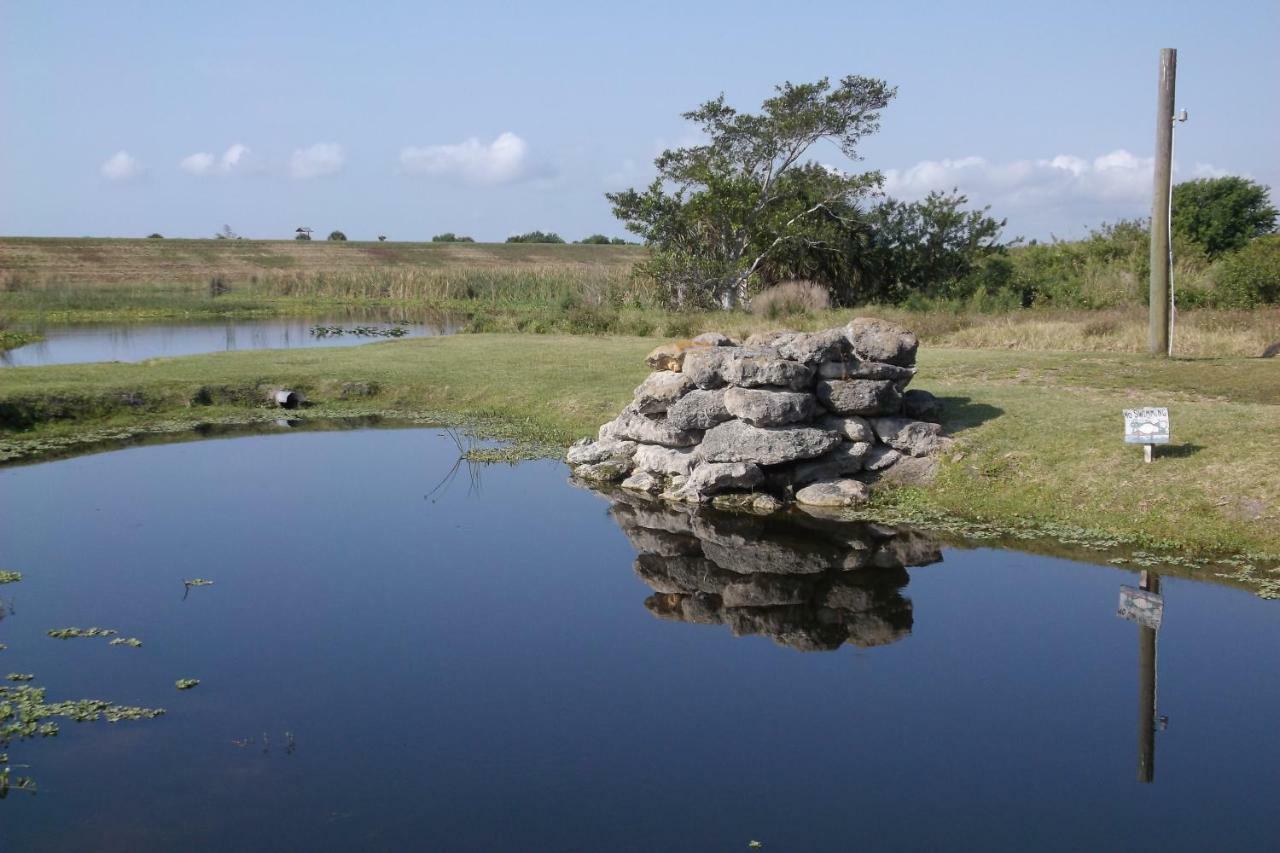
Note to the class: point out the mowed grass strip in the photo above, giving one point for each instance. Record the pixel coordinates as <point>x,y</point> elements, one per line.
<point>1039,434</point>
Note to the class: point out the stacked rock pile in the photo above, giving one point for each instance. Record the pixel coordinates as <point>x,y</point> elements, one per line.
<point>812,417</point>
<point>809,583</point>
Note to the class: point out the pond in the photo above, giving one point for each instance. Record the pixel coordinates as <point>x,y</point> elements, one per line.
<point>78,344</point>
<point>400,653</point>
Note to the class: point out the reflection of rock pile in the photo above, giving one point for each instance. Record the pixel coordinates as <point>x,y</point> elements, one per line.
<point>808,583</point>
<point>812,416</point>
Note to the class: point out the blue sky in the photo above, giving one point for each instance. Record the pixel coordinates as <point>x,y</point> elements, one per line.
<point>408,119</point>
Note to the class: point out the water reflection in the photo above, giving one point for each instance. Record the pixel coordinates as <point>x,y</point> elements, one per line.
<point>808,583</point>
<point>1145,606</point>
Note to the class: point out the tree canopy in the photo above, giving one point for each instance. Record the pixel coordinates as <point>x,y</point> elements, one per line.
<point>1222,214</point>
<point>536,237</point>
<point>337,235</point>
<point>722,215</point>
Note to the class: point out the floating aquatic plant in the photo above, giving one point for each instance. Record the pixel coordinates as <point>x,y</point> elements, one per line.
<point>186,683</point>
<point>358,331</point>
<point>10,577</point>
<point>132,642</point>
<point>198,582</point>
<point>71,633</point>
<point>19,676</point>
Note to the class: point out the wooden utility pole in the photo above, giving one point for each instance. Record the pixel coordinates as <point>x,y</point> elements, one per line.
<point>1158,335</point>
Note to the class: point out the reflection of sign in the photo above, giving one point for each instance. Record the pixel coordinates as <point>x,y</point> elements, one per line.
<point>1146,426</point>
<point>1139,605</point>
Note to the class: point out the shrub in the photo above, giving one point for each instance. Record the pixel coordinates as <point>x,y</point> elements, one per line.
<point>536,237</point>
<point>595,240</point>
<point>336,235</point>
<point>155,235</point>
<point>302,235</point>
<point>1249,277</point>
<point>450,237</point>
<point>790,297</point>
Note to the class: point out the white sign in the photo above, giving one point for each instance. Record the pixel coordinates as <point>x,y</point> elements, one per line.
<point>1146,426</point>
<point>1141,606</point>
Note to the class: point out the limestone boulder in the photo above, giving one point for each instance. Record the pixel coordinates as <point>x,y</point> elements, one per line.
<point>699,409</point>
<point>608,471</point>
<point>713,339</point>
<point>856,368</point>
<point>850,427</point>
<point>915,438</point>
<point>664,461</point>
<point>710,478</point>
<point>834,493</point>
<point>880,457</point>
<point>662,388</point>
<point>768,407</point>
<point>642,481</point>
<point>879,340</point>
<point>705,366</point>
<point>753,369</point>
<point>863,397</point>
<point>737,441</point>
<point>922,406</point>
<point>633,426</point>
<point>588,452</point>
<point>812,347</point>
<point>844,461</point>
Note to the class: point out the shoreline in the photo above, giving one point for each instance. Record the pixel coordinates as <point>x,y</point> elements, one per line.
<point>1034,431</point>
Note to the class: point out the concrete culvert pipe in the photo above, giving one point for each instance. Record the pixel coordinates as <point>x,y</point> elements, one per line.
<point>286,399</point>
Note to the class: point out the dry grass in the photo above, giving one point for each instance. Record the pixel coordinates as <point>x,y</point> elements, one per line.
<point>789,298</point>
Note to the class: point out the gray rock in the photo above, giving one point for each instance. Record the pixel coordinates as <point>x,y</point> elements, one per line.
<point>662,388</point>
<point>763,407</point>
<point>880,340</point>
<point>908,471</point>
<point>699,409</point>
<point>812,347</point>
<point>834,493</point>
<point>633,426</point>
<point>588,452</point>
<point>855,368</point>
<point>608,471</point>
<point>737,441</point>
<point>921,405</point>
<point>844,461</point>
<point>764,339</point>
<point>880,457</point>
<point>757,502</point>
<point>753,369</point>
<point>859,396</point>
<point>850,427</point>
<point>713,339</point>
<point>709,478</point>
<point>642,481</point>
<point>705,366</point>
<point>916,438</point>
<point>668,461</point>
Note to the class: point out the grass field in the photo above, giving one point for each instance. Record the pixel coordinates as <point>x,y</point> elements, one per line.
<point>525,288</point>
<point>1039,433</point>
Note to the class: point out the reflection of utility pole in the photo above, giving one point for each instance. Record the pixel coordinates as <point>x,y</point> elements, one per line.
<point>1147,689</point>
<point>1144,604</point>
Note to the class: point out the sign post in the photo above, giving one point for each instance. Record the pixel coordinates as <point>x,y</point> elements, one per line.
<point>1148,427</point>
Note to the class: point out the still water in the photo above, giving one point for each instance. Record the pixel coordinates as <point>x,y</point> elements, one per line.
<point>393,660</point>
<point>136,342</point>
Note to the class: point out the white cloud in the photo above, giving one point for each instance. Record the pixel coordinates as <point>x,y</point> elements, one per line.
<point>1062,192</point>
<point>317,161</point>
<point>237,158</point>
<point>197,164</point>
<point>121,166</point>
<point>503,161</point>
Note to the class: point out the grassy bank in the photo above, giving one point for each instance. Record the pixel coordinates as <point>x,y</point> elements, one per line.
<point>1039,432</point>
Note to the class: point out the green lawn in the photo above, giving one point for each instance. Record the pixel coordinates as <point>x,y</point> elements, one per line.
<point>1039,433</point>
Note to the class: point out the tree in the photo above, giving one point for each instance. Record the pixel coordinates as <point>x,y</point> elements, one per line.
<point>450,237</point>
<point>536,237</point>
<point>382,238</point>
<point>155,235</point>
<point>302,235</point>
<point>931,247</point>
<point>1222,214</point>
<point>718,212</point>
<point>337,235</point>
<point>227,234</point>
<point>595,240</point>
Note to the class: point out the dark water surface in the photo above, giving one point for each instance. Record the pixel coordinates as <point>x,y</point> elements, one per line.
<point>139,341</point>
<point>508,663</point>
